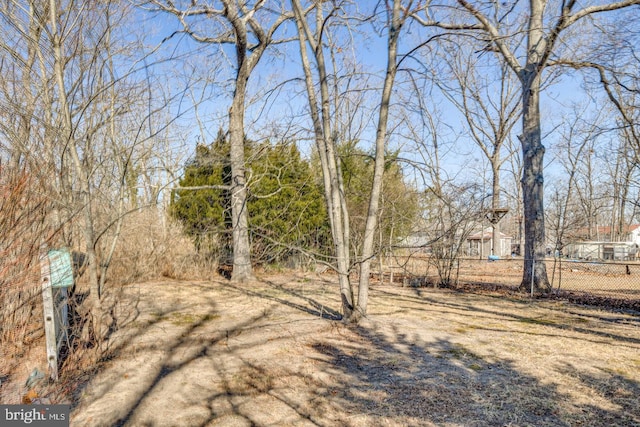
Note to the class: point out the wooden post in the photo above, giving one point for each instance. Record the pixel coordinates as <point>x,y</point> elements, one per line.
<point>49,314</point>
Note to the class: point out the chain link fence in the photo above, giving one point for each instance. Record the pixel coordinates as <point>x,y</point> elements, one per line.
<point>602,279</point>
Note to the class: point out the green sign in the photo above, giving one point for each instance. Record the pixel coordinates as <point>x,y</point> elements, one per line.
<point>61,268</point>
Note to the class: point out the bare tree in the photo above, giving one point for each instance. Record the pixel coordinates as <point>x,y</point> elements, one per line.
<point>548,34</point>
<point>489,104</point>
<point>397,15</point>
<point>621,165</point>
<point>84,121</point>
<point>313,34</point>
<point>66,122</point>
<point>67,136</point>
<point>248,26</point>
<point>612,64</point>
<point>513,191</point>
<point>325,137</point>
<point>575,153</point>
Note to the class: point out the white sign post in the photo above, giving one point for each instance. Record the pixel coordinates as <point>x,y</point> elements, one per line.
<point>49,315</point>
<point>56,276</point>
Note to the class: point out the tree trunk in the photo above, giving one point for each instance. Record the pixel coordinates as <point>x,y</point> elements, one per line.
<point>246,60</point>
<point>496,245</point>
<point>242,270</point>
<point>82,177</point>
<point>535,271</point>
<point>378,173</point>
<point>326,145</point>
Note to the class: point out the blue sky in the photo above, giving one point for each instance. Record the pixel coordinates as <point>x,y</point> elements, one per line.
<point>284,110</point>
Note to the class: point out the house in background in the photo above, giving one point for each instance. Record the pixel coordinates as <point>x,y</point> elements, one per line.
<point>608,251</point>
<point>603,248</point>
<point>480,244</point>
<point>602,233</point>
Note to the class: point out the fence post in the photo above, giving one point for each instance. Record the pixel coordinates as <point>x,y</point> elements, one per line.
<point>533,270</point>
<point>559,275</point>
<point>49,314</point>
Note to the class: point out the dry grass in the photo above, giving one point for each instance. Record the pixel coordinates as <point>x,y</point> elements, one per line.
<point>152,246</point>
<point>23,226</point>
<point>272,353</point>
<point>605,280</point>
<point>149,248</point>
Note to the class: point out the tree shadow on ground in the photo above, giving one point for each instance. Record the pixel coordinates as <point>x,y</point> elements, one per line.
<point>403,381</point>
<point>180,336</point>
<point>294,299</point>
<point>473,310</point>
<point>615,388</point>
<point>240,358</point>
<point>199,348</point>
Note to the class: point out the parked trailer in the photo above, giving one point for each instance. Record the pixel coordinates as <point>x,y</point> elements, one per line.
<point>610,251</point>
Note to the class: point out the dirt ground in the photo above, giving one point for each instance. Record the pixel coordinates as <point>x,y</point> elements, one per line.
<point>272,353</point>
<point>614,280</point>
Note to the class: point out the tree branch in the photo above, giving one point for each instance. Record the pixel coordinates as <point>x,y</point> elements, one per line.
<point>496,38</point>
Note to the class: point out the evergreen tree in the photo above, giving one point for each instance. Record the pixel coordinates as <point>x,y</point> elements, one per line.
<point>399,204</point>
<point>202,203</point>
<point>285,204</point>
